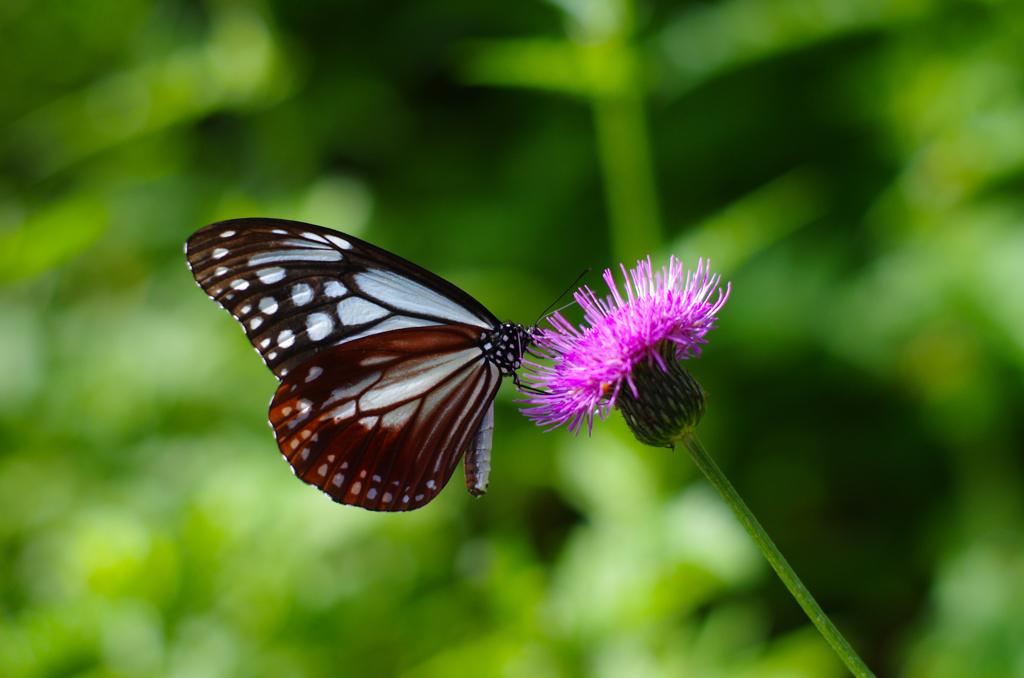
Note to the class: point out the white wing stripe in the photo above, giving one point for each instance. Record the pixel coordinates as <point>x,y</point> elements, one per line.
<point>397,322</point>
<point>399,386</point>
<point>277,256</point>
<point>343,244</point>
<point>296,242</point>
<point>434,400</point>
<point>411,297</point>
<point>352,390</point>
<point>398,417</point>
<point>480,384</point>
<point>357,311</point>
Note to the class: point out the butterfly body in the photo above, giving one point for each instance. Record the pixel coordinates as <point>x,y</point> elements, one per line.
<point>388,372</point>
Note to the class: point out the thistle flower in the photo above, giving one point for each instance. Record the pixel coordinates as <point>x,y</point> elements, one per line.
<point>627,355</point>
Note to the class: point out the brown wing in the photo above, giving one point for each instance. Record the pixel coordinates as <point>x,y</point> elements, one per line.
<point>381,422</point>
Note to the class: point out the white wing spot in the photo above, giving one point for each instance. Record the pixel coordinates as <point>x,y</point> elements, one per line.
<point>286,411</point>
<point>255,322</point>
<point>314,372</point>
<point>362,474</point>
<point>265,343</point>
<point>305,434</point>
<point>318,326</point>
<point>405,499</point>
<point>356,487</point>
<point>294,443</point>
<point>376,479</point>
<point>271,355</point>
<point>305,454</point>
<point>334,289</point>
<point>386,498</point>
<point>372,493</point>
<point>343,244</point>
<point>221,270</point>
<point>227,234</point>
<point>285,339</point>
<point>338,479</point>
<point>269,276</point>
<point>418,497</point>
<point>244,310</point>
<point>302,294</point>
<point>278,231</point>
<point>331,458</point>
<point>344,465</point>
<point>322,471</point>
<point>357,311</point>
<point>304,405</point>
<point>313,236</point>
<point>220,253</point>
<point>268,305</point>
<point>431,484</point>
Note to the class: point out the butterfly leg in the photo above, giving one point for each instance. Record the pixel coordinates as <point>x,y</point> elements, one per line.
<point>525,388</point>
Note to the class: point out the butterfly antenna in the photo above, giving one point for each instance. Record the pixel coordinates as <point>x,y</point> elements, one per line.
<point>546,311</point>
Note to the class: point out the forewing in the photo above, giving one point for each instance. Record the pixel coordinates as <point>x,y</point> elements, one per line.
<point>381,422</point>
<point>298,289</point>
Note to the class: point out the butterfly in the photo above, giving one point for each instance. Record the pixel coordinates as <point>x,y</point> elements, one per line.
<point>388,372</point>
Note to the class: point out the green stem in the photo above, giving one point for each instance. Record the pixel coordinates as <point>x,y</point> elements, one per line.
<point>786,574</point>
<point>628,176</point>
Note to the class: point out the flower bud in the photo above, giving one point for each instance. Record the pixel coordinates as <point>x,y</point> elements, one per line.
<point>667,405</point>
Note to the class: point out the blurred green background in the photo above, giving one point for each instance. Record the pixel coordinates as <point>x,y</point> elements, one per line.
<point>854,167</point>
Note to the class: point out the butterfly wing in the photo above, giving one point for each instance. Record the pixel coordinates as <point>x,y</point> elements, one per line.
<point>298,289</point>
<point>382,421</point>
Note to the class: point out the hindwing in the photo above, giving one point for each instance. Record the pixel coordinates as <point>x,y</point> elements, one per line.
<point>382,421</point>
